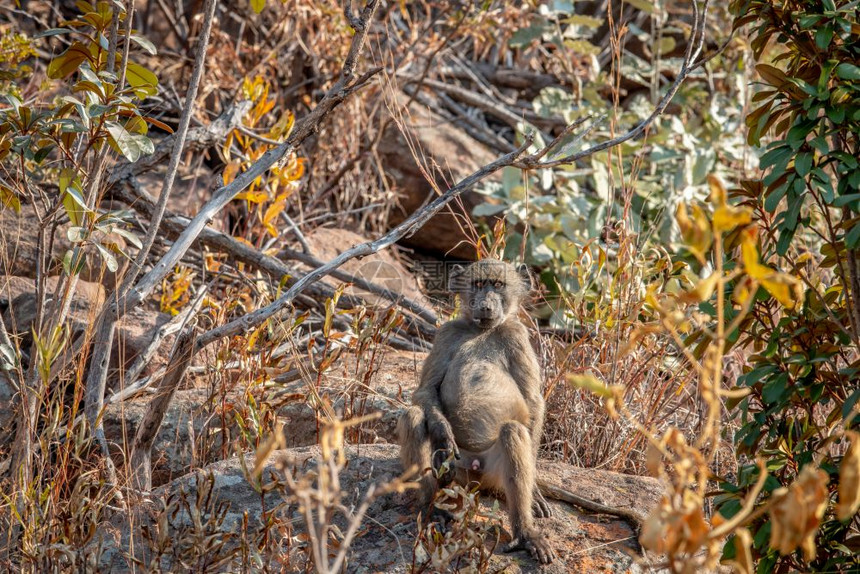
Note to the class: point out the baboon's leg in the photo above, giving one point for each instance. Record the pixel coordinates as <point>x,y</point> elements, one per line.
<point>510,466</point>
<point>519,475</point>
<point>415,449</point>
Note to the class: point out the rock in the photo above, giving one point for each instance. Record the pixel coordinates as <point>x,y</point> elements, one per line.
<point>134,334</point>
<point>381,268</point>
<point>18,302</point>
<point>456,155</point>
<point>173,452</point>
<point>384,542</point>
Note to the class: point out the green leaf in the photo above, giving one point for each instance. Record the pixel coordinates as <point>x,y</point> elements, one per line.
<point>74,204</point>
<point>69,61</point>
<point>67,263</point>
<point>487,209</point>
<point>52,32</point>
<point>144,82</point>
<point>823,37</point>
<point>775,156</point>
<point>582,20</point>
<point>42,153</point>
<point>76,234</point>
<point>852,238</point>
<point>132,146</point>
<point>258,5</point>
<point>643,5</point>
<point>108,257</point>
<point>525,36</point>
<point>848,71</point>
<point>844,200</point>
<point>130,236</point>
<point>850,402</point>
<point>773,390</point>
<point>803,163</point>
<point>144,43</point>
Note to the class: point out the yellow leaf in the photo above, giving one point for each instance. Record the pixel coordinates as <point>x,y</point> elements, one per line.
<point>718,197</point>
<point>9,198</point>
<point>231,171</point>
<point>590,383</point>
<point>293,170</point>
<point>695,230</point>
<point>273,442</point>
<point>253,196</point>
<point>784,288</point>
<point>849,479</point>
<point>702,291</point>
<point>797,513</point>
<point>283,127</point>
<point>272,212</point>
<point>742,561</point>
<point>69,61</point>
<point>728,217</point>
<point>258,5</point>
<point>225,149</point>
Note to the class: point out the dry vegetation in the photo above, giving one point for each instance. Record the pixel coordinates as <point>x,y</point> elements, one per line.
<point>225,234</point>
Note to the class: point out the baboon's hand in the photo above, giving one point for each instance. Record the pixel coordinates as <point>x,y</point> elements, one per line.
<point>540,507</point>
<point>444,447</point>
<point>537,545</point>
<point>442,438</point>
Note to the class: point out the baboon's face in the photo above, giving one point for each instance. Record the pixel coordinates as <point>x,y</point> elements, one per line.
<point>490,291</point>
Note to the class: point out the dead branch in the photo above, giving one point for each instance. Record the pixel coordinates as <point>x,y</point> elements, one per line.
<point>397,298</point>
<point>422,326</point>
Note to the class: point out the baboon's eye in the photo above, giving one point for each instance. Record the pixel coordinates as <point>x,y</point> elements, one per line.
<point>479,284</point>
<point>497,284</point>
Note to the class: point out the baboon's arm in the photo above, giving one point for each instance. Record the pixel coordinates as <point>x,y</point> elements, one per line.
<point>427,396</point>
<point>525,370</point>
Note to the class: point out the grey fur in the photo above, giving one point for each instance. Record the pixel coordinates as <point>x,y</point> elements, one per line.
<point>479,401</point>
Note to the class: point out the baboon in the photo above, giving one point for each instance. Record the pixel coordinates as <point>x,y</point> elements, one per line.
<point>479,400</point>
<point>479,403</point>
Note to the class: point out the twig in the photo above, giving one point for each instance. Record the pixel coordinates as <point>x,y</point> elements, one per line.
<point>300,237</point>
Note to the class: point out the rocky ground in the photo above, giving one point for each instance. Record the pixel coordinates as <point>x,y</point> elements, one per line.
<point>583,542</point>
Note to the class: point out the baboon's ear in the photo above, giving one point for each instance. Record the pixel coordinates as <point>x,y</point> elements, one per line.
<point>457,279</point>
<point>526,275</point>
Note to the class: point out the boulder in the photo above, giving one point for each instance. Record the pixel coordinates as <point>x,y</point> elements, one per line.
<point>135,332</point>
<point>451,155</point>
<point>18,303</point>
<point>235,516</point>
<point>173,452</point>
<point>382,268</point>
